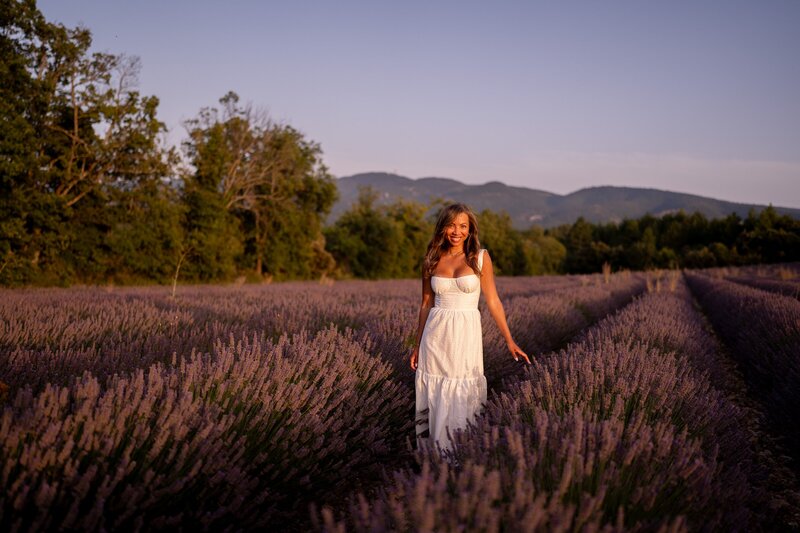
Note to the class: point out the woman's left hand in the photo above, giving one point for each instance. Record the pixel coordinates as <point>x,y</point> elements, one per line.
<point>516,352</point>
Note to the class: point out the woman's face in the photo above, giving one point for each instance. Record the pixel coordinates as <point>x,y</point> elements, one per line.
<point>457,230</point>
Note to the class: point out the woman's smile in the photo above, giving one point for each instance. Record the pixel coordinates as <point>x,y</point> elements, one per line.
<point>458,229</point>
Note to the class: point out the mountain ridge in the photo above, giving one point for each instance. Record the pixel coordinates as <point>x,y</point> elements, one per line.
<point>526,206</point>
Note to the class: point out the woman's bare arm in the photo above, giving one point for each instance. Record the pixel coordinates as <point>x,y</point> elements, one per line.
<point>424,309</point>
<point>496,307</point>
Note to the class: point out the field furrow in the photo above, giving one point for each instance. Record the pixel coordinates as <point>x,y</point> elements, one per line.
<point>762,331</point>
<point>785,287</point>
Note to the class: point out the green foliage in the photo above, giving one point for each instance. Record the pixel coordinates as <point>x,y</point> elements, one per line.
<point>770,237</point>
<point>681,240</point>
<point>544,254</point>
<point>212,236</point>
<point>265,180</point>
<point>31,240</point>
<point>641,255</point>
<point>372,241</point>
<point>296,248</point>
<point>90,194</point>
<point>375,242</point>
<point>306,193</point>
<point>581,255</point>
<point>519,253</point>
<point>78,143</point>
<point>497,235</point>
<point>145,238</point>
<point>414,231</point>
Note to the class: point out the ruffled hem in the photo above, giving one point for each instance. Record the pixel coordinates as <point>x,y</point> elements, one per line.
<point>446,403</point>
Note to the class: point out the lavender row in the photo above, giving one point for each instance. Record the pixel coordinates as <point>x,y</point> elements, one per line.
<point>762,330</point>
<point>512,287</point>
<point>545,322</point>
<point>779,271</point>
<point>53,336</point>
<point>245,437</point>
<point>621,431</point>
<point>540,321</point>
<point>218,437</point>
<point>786,287</point>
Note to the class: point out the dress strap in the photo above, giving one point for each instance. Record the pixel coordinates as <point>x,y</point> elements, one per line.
<point>480,258</point>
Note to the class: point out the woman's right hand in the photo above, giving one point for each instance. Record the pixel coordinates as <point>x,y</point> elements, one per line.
<point>414,358</point>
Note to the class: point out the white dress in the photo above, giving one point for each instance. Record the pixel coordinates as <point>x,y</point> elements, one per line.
<point>450,385</point>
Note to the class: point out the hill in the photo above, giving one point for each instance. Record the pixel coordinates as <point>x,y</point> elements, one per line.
<point>532,206</point>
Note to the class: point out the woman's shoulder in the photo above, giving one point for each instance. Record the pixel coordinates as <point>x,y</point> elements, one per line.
<point>482,254</point>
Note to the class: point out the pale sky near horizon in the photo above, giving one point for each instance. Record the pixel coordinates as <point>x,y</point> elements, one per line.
<point>691,96</point>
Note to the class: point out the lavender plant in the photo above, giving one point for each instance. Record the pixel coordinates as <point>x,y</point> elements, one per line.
<point>242,437</point>
<point>785,287</point>
<point>237,407</point>
<point>621,430</point>
<point>762,330</point>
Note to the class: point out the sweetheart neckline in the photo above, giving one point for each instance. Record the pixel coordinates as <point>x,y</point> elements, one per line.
<point>457,277</point>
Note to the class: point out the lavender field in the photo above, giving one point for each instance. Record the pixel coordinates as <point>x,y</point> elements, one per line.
<point>655,402</point>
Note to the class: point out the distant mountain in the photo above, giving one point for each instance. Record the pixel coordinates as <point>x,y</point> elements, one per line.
<point>529,206</point>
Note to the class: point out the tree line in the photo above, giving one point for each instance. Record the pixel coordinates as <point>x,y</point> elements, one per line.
<point>90,192</point>
<point>373,241</point>
<point>681,240</point>
<point>389,241</point>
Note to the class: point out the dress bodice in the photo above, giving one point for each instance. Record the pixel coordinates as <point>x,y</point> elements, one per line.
<point>456,293</point>
<point>462,292</point>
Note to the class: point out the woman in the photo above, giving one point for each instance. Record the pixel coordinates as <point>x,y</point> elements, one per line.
<point>448,354</point>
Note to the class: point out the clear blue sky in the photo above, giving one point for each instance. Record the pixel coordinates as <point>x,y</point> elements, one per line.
<point>693,96</point>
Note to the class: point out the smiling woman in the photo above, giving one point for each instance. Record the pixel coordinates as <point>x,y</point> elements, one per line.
<point>448,356</point>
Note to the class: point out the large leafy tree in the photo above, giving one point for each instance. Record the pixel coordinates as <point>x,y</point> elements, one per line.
<point>266,180</point>
<point>76,138</point>
<point>29,216</point>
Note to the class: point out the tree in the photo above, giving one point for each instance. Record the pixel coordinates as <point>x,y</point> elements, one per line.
<point>414,230</point>
<point>580,253</point>
<point>364,241</point>
<point>678,240</point>
<point>498,235</point>
<point>304,193</point>
<point>30,217</point>
<point>770,237</point>
<point>269,178</point>
<point>75,128</point>
<point>699,258</point>
<point>544,254</point>
<point>642,253</point>
<point>144,238</point>
<point>213,238</point>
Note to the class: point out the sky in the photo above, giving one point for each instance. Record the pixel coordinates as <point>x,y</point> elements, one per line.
<point>693,96</point>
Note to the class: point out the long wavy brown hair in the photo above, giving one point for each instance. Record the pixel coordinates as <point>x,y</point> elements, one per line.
<point>439,243</point>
